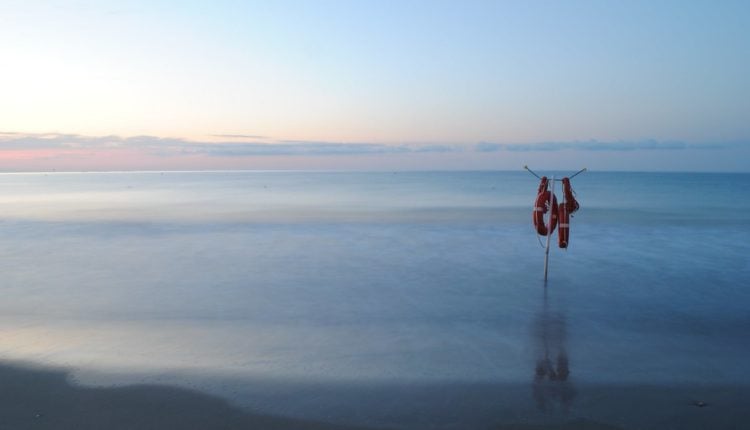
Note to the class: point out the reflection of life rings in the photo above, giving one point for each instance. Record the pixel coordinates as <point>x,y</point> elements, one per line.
<point>568,206</point>
<point>541,207</point>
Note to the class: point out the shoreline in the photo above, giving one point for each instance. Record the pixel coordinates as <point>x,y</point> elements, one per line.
<point>44,398</point>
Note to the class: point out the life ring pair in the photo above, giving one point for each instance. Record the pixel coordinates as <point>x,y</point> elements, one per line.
<point>559,214</point>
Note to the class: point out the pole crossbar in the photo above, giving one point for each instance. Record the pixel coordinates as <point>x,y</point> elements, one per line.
<point>577,173</point>
<point>532,172</point>
<point>553,179</point>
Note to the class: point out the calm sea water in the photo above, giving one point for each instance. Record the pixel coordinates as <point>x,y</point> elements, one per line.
<point>276,289</point>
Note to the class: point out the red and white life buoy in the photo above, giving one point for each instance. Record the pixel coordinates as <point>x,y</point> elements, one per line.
<point>568,206</point>
<point>542,206</point>
<point>563,234</point>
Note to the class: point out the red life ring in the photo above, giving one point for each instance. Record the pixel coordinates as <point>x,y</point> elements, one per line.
<point>568,197</point>
<point>541,207</point>
<point>568,206</point>
<point>563,233</point>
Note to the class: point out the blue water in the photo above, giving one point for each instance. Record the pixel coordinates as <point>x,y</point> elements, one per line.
<point>218,280</point>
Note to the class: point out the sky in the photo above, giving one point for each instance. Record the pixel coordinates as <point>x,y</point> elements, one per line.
<point>374,85</point>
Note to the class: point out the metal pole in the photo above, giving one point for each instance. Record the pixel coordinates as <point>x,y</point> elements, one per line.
<point>549,228</point>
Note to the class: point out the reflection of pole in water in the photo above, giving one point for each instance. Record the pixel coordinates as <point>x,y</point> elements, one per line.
<point>551,374</point>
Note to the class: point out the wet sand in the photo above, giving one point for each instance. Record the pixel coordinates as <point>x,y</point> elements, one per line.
<point>36,398</point>
<point>41,398</point>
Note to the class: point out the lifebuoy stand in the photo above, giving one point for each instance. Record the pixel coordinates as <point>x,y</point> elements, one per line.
<point>550,222</point>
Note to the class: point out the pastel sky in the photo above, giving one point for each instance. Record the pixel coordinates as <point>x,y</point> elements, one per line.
<point>141,85</point>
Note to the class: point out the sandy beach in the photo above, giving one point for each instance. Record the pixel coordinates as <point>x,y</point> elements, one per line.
<point>40,398</point>
<point>37,398</point>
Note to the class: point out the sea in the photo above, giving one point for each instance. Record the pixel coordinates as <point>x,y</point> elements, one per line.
<point>388,299</point>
